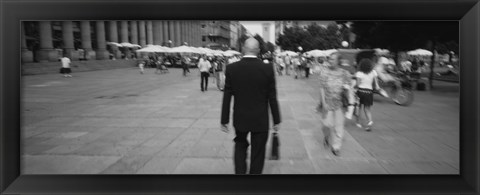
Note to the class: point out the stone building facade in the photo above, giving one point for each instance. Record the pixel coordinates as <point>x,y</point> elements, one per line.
<point>47,41</point>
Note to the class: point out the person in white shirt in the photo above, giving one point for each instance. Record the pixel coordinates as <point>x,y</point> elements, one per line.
<point>366,82</point>
<point>204,67</point>
<point>65,70</point>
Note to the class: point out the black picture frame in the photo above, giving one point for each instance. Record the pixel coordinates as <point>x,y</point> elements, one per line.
<point>467,12</point>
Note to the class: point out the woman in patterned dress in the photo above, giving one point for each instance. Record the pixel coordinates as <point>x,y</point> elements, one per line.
<point>334,81</point>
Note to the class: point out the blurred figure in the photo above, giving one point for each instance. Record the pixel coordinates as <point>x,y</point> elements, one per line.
<point>159,64</point>
<point>252,85</point>
<point>141,65</point>
<point>334,81</point>
<point>308,66</point>
<point>288,64</point>
<point>185,63</point>
<point>219,74</point>
<point>280,65</point>
<point>406,66</point>
<point>385,77</point>
<point>204,67</point>
<point>296,66</point>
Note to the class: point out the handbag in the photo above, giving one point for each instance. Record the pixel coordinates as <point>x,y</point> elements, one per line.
<point>275,153</point>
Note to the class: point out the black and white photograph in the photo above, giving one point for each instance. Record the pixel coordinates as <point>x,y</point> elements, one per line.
<point>181,97</point>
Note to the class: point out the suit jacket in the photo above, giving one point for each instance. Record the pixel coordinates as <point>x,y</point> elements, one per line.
<point>252,84</point>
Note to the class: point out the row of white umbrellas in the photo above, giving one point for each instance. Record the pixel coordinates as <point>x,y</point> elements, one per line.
<point>323,53</point>
<point>312,53</point>
<point>187,50</point>
<point>124,44</point>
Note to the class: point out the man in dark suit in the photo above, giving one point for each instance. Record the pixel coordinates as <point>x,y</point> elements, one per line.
<point>252,84</point>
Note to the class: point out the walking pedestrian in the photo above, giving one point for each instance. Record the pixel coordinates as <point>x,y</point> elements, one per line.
<point>252,85</point>
<point>288,64</point>
<point>159,65</point>
<point>66,70</point>
<point>204,67</point>
<point>366,82</point>
<point>334,81</point>
<point>185,63</point>
<point>219,74</point>
<point>296,66</point>
<point>308,65</point>
<point>141,65</point>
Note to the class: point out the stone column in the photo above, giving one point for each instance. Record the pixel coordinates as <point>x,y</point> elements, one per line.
<point>27,56</point>
<point>124,36</point>
<point>149,33</point>
<point>196,34</point>
<point>142,36</point>
<point>183,37</point>
<point>157,32</point>
<point>134,36</point>
<point>165,32</point>
<point>171,33</point>
<point>114,38</point>
<point>101,53</point>
<point>190,33</point>
<point>87,40</point>
<point>67,36</point>
<point>134,32</point>
<point>46,52</point>
<point>199,32</point>
<point>177,34</point>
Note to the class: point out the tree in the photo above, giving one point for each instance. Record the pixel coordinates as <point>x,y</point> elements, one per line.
<point>310,38</point>
<point>270,47</point>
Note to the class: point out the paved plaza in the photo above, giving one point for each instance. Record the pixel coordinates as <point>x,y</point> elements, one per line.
<point>123,122</point>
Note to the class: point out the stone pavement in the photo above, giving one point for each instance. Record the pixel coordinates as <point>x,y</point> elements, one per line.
<point>122,122</point>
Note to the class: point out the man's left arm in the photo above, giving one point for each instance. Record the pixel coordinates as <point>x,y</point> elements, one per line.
<point>272,97</point>
<point>227,96</point>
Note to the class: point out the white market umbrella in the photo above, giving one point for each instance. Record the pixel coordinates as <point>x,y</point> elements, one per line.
<point>129,45</point>
<point>154,49</point>
<point>420,52</point>
<point>231,52</point>
<point>315,53</point>
<point>182,49</point>
<point>329,52</point>
<point>381,51</point>
<point>114,44</point>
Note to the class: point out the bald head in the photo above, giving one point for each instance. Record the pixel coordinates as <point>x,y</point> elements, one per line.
<point>251,47</point>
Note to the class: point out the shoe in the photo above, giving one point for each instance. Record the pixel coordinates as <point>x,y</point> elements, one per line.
<point>336,152</point>
<point>325,142</point>
<point>369,126</point>
<point>358,125</point>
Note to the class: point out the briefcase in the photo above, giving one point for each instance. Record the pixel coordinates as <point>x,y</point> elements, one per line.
<point>275,155</point>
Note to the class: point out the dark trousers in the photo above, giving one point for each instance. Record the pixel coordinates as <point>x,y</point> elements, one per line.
<point>185,70</point>
<point>307,72</point>
<point>204,80</point>
<point>257,152</point>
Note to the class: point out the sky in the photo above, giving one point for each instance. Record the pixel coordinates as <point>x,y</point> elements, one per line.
<point>255,27</point>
